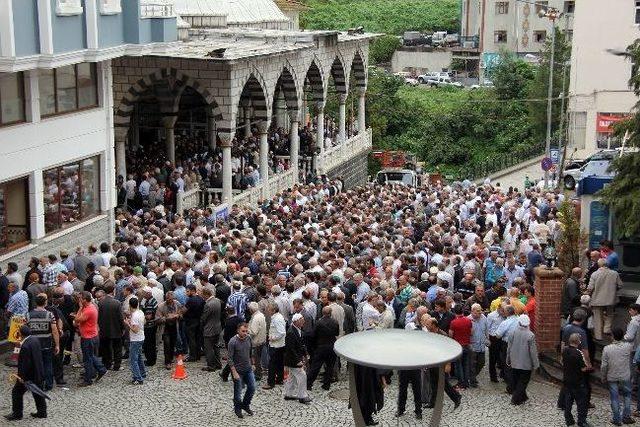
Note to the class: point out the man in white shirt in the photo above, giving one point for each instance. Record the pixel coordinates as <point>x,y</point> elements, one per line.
<point>135,322</point>
<point>277,334</point>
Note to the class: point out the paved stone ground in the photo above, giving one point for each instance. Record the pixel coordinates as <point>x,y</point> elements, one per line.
<point>204,399</point>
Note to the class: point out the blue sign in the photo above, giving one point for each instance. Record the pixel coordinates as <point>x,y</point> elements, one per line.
<point>598,223</point>
<point>546,164</point>
<point>221,213</point>
<point>555,156</point>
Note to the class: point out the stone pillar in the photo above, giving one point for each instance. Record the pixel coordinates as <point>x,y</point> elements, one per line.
<point>247,122</point>
<point>342,120</point>
<point>295,147</point>
<point>36,205</point>
<point>548,285</point>
<point>227,187</point>
<point>263,128</point>
<point>121,151</point>
<point>304,109</point>
<point>319,139</point>
<point>170,138</point>
<point>281,110</point>
<point>362,127</point>
<point>211,132</point>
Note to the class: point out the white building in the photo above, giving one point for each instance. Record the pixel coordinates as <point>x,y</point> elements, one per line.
<point>56,116</point>
<point>599,91</point>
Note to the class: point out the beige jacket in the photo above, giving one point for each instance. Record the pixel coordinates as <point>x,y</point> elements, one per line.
<point>603,285</point>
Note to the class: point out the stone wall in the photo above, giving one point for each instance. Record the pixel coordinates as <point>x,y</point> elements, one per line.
<point>354,172</point>
<point>93,231</point>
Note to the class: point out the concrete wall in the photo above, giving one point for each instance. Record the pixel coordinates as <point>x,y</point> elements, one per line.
<point>420,61</point>
<point>25,18</point>
<point>599,80</point>
<point>353,173</point>
<point>110,30</point>
<point>69,32</point>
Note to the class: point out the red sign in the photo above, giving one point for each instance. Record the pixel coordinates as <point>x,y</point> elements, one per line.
<point>605,122</point>
<point>391,159</point>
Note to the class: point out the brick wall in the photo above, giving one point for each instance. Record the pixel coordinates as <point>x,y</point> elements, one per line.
<point>354,172</point>
<point>548,285</point>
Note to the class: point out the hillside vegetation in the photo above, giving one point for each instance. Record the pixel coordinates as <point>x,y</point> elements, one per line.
<point>382,16</point>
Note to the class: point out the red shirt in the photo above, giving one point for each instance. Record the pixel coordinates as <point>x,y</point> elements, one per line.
<point>461,328</point>
<point>89,326</point>
<point>530,309</point>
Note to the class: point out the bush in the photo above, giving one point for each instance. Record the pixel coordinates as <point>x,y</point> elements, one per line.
<point>381,49</point>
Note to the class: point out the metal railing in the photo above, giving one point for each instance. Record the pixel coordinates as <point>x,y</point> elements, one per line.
<point>495,163</point>
<point>157,9</point>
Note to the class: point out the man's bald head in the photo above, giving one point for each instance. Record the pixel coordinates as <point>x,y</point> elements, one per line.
<point>326,311</point>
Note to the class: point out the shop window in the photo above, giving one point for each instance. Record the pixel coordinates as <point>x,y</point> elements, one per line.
<point>71,193</point>
<point>11,98</point>
<point>14,214</point>
<point>67,89</point>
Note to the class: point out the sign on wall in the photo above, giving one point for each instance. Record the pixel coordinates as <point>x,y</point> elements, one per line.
<point>605,121</point>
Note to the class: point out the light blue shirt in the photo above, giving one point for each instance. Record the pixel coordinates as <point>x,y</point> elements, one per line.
<point>181,294</point>
<point>479,333</point>
<point>363,290</point>
<point>512,274</point>
<point>506,328</point>
<point>493,321</point>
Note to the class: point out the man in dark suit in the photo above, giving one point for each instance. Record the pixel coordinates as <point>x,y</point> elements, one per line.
<point>30,369</point>
<point>326,333</point>
<point>295,353</point>
<point>111,323</point>
<point>211,328</point>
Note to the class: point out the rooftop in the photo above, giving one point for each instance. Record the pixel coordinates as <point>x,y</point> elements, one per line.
<point>237,11</point>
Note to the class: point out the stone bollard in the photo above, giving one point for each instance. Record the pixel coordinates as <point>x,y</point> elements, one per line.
<point>548,286</point>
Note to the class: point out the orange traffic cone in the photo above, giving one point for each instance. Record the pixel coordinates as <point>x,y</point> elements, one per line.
<point>180,373</point>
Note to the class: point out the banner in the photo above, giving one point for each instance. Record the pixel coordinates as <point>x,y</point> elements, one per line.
<point>14,329</point>
<point>604,122</point>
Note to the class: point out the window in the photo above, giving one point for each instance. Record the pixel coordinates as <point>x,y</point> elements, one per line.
<point>14,214</point>
<point>569,6</point>
<point>110,7</point>
<point>540,36</point>
<point>637,20</point>
<point>502,7</point>
<point>68,7</point>
<point>541,6</point>
<point>67,89</point>
<point>569,35</point>
<point>500,37</point>
<point>11,98</point>
<point>71,193</point>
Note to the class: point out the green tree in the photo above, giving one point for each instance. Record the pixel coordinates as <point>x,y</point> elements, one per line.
<point>512,76</point>
<point>572,240</point>
<point>381,49</point>
<point>540,86</point>
<point>623,194</point>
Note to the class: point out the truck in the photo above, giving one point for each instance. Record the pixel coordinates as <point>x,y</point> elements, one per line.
<point>398,167</point>
<point>405,177</point>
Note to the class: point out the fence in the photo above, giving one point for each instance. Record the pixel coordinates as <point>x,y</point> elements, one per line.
<point>499,162</point>
<point>157,9</point>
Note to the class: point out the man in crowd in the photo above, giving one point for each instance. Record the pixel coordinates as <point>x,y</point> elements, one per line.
<point>111,322</point>
<point>295,357</point>
<point>211,329</point>
<point>86,321</point>
<point>239,362</point>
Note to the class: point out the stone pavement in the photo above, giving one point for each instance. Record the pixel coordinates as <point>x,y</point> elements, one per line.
<point>203,399</point>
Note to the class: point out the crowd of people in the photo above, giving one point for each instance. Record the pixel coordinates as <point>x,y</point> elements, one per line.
<point>154,181</point>
<point>276,286</point>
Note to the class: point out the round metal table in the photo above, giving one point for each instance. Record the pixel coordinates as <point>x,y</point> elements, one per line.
<point>397,349</point>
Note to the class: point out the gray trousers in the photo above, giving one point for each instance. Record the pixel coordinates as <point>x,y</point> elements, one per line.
<point>212,352</point>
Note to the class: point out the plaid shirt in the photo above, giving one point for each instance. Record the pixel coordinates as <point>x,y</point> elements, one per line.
<point>18,304</point>
<point>49,275</point>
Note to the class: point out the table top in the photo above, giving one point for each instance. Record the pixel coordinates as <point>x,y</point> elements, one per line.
<point>397,349</point>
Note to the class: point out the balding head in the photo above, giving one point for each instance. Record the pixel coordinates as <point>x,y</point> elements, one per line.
<point>326,311</point>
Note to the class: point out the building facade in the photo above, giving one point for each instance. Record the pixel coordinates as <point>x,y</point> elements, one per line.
<point>511,25</point>
<point>599,90</point>
<point>56,116</point>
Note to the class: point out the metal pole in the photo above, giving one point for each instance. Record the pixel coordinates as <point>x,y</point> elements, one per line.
<point>562,142</point>
<point>550,99</point>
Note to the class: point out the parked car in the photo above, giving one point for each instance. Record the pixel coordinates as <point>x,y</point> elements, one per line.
<point>596,164</point>
<point>408,78</point>
<point>443,81</point>
<point>485,84</point>
<point>422,78</point>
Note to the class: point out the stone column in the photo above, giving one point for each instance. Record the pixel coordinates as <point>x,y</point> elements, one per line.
<point>227,187</point>
<point>342,120</point>
<point>548,286</point>
<point>36,205</point>
<point>263,127</point>
<point>247,122</point>
<point>281,110</point>
<point>362,127</point>
<point>295,147</point>
<point>211,131</point>
<point>170,138</point>
<point>319,139</point>
<point>121,152</point>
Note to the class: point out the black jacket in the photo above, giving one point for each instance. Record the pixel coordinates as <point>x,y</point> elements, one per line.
<point>231,327</point>
<point>30,366</point>
<point>110,319</point>
<point>294,349</point>
<point>326,332</point>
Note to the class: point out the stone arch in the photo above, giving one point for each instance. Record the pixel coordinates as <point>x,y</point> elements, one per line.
<point>254,91</point>
<point>316,81</point>
<point>287,82</point>
<point>339,75</point>
<point>172,83</point>
<point>359,70</point>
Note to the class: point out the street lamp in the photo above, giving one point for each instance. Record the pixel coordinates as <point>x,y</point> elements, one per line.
<point>552,14</point>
